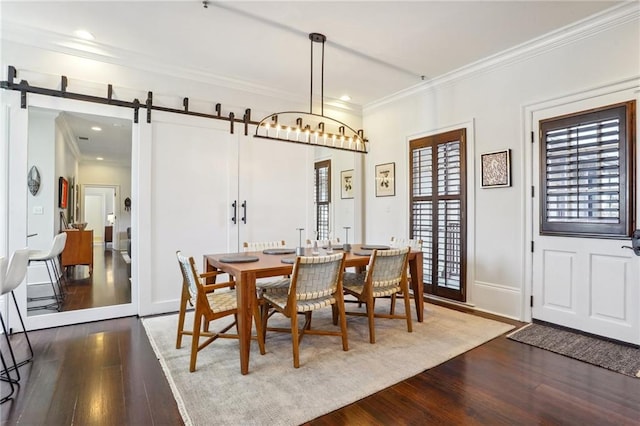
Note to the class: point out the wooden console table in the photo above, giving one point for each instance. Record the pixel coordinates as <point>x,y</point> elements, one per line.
<point>79,249</point>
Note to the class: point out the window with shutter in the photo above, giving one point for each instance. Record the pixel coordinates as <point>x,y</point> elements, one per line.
<point>438,202</point>
<point>322,185</point>
<point>587,173</point>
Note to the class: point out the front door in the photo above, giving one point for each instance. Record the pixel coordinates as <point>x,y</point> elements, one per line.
<point>583,208</point>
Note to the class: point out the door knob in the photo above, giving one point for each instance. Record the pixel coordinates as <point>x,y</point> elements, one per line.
<point>635,242</point>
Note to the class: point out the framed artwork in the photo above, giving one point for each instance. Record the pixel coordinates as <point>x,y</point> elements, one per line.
<point>496,169</point>
<point>346,184</point>
<point>386,180</point>
<point>63,193</point>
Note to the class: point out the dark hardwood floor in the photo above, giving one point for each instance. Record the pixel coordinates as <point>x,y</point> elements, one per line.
<point>106,373</point>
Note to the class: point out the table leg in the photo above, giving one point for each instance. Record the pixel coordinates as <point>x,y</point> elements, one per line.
<point>245,292</point>
<point>417,284</point>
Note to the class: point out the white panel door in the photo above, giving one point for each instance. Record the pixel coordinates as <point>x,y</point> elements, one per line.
<point>191,163</point>
<point>275,191</point>
<point>588,284</point>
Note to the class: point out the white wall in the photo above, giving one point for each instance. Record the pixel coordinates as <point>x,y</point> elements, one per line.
<point>110,174</point>
<point>42,155</point>
<point>490,99</point>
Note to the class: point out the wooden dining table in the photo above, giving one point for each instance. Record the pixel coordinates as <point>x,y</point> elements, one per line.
<point>270,265</point>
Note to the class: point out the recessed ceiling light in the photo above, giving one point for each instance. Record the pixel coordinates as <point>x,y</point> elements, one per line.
<point>83,34</point>
<point>345,98</point>
<point>96,128</point>
<point>99,158</point>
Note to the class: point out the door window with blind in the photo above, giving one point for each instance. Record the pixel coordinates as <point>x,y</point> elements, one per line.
<point>586,174</point>
<point>438,210</point>
<point>322,197</point>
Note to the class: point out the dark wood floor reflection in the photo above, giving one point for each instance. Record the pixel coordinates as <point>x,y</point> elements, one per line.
<point>108,285</point>
<point>105,373</point>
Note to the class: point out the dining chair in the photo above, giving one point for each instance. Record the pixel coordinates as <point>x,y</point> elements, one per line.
<point>50,258</point>
<point>386,275</point>
<point>416,245</point>
<point>186,298</point>
<point>212,302</point>
<point>12,274</point>
<point>262,245</point>
<point>324,243</point>
<point>316,283</point>
<point>264,285</point>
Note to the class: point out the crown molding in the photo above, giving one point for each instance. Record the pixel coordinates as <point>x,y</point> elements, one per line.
<point>588,27</point>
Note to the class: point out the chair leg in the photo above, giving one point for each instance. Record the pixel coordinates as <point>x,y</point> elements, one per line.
<point>197,324</point>
<point>11,384</point>
<point>59,277</point>
<point>181,315</point>
<point>257,318</point>
<point>407,308</point>
<point>295,339</point>
<point>370,316</point>
<point>24,330</point>
<point>393,304</point>
<point>57,304</point>
<point>6,376</point>
<point>343,320</point>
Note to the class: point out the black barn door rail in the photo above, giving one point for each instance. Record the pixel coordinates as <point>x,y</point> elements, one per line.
<point>23,87</point>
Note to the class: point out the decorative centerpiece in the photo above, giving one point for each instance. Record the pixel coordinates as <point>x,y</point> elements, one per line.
<point>80,226</point>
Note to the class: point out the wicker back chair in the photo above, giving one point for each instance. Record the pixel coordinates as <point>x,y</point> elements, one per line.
<point>385,276</point>
<point>316,283</point>
<point>261,245</point>
<point>209,306</point>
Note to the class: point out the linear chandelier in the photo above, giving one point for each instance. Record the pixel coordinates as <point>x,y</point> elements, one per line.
<point>309,128</point>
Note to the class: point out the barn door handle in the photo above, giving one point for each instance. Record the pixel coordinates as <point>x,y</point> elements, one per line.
<point>234,219</point>
<point>244,212</point>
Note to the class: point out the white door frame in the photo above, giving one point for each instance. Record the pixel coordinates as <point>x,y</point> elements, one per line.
<point>17,198</point>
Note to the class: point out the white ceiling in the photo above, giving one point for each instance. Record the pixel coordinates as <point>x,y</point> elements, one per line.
<point>373,50</point>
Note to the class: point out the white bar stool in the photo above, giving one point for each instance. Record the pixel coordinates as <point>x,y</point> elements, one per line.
<point>11,276</point>
<point>50,259</point>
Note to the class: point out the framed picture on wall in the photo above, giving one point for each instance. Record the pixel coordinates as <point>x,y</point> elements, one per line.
<point>346,184</point>
<point>63,193</point>
<point>386,180</point>
<point>496,169</point>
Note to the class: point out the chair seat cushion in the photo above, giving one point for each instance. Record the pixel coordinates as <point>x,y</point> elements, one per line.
<point>280,299</point>
<point>221,301</point>
<point>274,286</point>
<point>353,282</point>
<point>39,255</point>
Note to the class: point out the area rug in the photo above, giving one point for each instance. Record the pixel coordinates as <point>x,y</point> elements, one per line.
<point>613,356</point>
<point>275,393</point>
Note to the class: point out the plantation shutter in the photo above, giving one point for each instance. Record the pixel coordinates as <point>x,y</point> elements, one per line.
<point>585,174</point>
